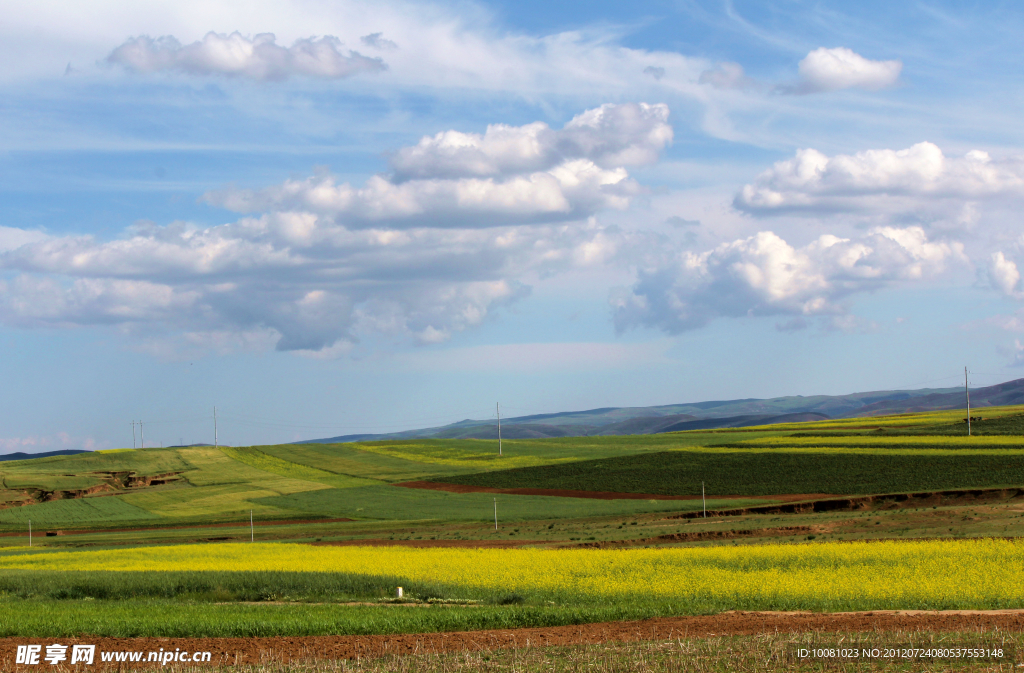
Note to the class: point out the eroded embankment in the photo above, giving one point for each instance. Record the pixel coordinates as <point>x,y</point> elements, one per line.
<point>113,483</point>
<point>232,651</point>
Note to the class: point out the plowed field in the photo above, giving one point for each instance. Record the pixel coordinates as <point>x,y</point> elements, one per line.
<point>262,650</point>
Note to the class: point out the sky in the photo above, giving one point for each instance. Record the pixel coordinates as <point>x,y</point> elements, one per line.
<point>334,217</point>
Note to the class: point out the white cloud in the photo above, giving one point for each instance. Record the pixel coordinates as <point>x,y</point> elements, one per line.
<point>841,68</point>
<point>765,275</point>
<point>508,175</point>
<point>323,266</point>
<point>879,180</point>
<point>11,238</point>
<point>312,282</point>
<point>236,55</point>
<point>572,190</point>
<point>609,136</point>
<point>1004,275</point>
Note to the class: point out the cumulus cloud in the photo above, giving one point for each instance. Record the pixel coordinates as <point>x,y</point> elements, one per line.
<point>508,175</point>
<point>841,68</point>
<point>879,180</point>
<point>765,275</point>
<point>608,136</point>
<point>236,55</point>
<point>320,267</point>
<point>310,282</point>
<point>1004,275</point>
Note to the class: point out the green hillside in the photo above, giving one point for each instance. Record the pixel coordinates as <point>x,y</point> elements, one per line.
<point>174,486</point>
<point>764,473</point>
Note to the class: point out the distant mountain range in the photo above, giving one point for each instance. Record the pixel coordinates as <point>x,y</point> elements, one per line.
<point>708,415</point>
<point>21,455</point>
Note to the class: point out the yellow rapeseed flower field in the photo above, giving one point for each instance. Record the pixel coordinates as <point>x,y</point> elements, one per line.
<point>962,573</point>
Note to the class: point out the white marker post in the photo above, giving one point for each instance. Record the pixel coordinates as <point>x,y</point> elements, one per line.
<point>968,389</point>
<point>495,514</point>
<point>703,500</point>
<point>252,531</point>
<point>30,532</point>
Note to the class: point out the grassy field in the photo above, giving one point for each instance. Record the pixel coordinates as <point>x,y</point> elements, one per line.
<point>228,483</point>
<point>76,512</point>
<point>389,503</point>
<point>766,473</point>
<point>848,456</point>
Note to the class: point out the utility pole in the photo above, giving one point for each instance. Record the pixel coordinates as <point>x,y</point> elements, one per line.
<point>133,435</point>
<point>30,531</point>
<point>498,409</point>
<point>142,432</point>
<point>215,442</point>
<point>968,390</point>
<point>252,532</point>
<point>495,517</point>
<point>703,500</point>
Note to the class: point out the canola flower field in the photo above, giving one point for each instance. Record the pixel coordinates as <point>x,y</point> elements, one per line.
<point>259,589</point>
<point>982,573</point>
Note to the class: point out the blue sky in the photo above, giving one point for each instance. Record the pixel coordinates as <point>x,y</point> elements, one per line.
<point>334,218</point>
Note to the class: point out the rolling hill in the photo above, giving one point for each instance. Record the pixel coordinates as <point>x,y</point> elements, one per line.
<point>607,421</point>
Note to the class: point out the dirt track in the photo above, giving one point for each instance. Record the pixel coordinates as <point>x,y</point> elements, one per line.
<point>257,650</point>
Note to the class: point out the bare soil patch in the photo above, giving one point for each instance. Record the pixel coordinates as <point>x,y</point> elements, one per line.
<point>599,495</point>
<point>285,649</point>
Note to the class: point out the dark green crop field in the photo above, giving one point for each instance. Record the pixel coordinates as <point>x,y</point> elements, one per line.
<point>766,473</point>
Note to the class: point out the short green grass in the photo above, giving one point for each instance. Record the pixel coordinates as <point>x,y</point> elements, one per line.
<point>352,460</point>
<point>76,512</point>
<point>213,501</point>
<point>767,473</point>
<point>275,465</point>
<point>391,502</point>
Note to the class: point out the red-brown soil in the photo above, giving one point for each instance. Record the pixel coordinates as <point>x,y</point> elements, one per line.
<point>264,650</point>
<point>599,495</point>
